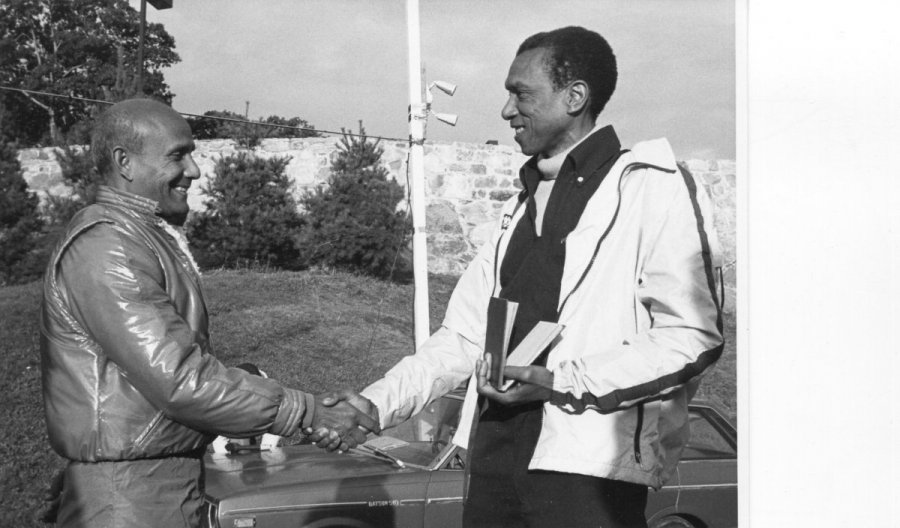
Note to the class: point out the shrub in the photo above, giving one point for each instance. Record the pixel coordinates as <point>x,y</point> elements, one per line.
<point>81,177</point>
<point>353,223</point>
<point>21,227</point>
<point>251,218</point>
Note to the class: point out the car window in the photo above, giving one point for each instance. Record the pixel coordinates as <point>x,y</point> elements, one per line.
<point>706,440</point>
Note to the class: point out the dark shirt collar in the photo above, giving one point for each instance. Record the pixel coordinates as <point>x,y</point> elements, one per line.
<point>143,207</point>
<point>594,151</point>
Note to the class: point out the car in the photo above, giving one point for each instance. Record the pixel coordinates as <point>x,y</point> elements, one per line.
<point>412,476</point>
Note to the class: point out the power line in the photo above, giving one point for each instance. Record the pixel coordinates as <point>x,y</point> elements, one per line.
<point>227,119</point>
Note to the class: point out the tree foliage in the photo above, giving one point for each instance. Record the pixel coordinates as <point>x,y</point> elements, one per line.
<point>247,133</point>
<point>81,177</point>
<point>251,218</point>
<point>353,223</point>
<point>20,223</point>
<point>81,48</point>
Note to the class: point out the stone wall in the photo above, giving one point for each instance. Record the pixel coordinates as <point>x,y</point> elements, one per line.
<point>466,185</point>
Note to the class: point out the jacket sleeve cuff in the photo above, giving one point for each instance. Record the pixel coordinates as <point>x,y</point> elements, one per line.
<point>292,409</point>
<point>310,415</point>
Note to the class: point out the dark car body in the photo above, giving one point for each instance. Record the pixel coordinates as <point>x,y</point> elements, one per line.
<point>413,477</point>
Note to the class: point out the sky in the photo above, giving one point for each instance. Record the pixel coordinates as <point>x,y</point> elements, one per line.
<point>337,62</point>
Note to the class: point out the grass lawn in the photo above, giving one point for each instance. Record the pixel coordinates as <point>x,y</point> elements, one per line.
<point>311,330</point>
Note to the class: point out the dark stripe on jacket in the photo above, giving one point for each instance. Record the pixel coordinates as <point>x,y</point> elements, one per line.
<point>613,400</point>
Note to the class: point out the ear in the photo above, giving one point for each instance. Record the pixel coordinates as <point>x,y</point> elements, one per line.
<point>577,94</point>
<point>122,163</point>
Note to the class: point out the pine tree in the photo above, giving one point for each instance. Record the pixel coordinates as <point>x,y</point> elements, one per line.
<point>353,223</point>
<point>251,218</point>
<point>20,222</point>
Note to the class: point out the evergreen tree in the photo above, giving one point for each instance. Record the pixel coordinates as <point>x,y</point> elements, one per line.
<point>20,224</point>
<point>353,223</point>
<point>251,218</point>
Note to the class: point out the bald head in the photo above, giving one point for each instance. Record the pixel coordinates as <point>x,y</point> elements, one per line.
<point>126,124</point>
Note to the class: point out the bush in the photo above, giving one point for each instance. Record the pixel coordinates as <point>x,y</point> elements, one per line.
<point>353,223</point>
<point>81,177</point>
<point>251,218</point>
<point>21,227</point>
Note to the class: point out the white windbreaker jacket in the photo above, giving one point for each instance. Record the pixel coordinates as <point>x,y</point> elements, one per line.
<point>641,308</point>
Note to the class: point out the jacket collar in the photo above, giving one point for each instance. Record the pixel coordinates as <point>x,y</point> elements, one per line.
<point>591,153</point>
<point>142,207</point>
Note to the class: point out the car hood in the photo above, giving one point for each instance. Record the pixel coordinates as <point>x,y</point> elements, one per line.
<point>294,467</point>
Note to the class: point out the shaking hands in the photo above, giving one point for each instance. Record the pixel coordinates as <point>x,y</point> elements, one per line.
<point>342,420</point>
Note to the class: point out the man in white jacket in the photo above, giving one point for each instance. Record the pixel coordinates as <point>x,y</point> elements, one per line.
<point>617,246</point>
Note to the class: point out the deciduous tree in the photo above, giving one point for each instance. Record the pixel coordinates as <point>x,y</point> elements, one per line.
<point>80,48</point>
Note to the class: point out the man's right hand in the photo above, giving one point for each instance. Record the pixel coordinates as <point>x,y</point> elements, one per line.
<point>342,420</point>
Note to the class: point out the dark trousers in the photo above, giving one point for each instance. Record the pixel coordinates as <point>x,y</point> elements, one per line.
<point>550,500</point>
<point>502,491</point>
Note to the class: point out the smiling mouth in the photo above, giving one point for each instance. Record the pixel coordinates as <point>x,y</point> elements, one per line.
<point>518,130</point>
<point>181,190</point>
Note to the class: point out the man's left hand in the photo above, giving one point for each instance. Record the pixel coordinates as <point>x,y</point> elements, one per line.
<point>535,383</point>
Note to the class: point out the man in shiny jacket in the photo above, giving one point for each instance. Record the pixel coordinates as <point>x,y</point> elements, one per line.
<point>132,392</point>
<point>615,245</point>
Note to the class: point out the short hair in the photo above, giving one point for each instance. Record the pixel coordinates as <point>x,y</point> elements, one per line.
<point>575,53</point>
<point>116,125</point>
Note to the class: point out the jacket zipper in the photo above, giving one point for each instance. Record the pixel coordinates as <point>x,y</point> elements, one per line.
<point>637,433</point>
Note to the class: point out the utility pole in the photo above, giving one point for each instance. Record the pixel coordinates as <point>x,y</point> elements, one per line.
<point>417,115</point>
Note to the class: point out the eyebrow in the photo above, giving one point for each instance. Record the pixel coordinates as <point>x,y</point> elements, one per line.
<point>183,148</point>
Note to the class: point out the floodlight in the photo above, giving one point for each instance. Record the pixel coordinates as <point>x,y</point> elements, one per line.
<point>450,119</point>
<point>444,86</point>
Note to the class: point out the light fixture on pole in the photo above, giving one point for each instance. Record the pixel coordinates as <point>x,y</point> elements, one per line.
<point>449,89</point>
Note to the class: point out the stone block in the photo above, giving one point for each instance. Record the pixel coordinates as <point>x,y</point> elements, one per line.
<point>730,179</point>
<point>28,154</point>
<point>435,181</point>
<point>441,217</point>
<point>301,172</point>
<point>478,168</point>
<point>475,213</point>
<point>464,154</point>
<point>455,187</point>
<point>502,195</point>
<point>276,144</point>
<point>710,178</point>
<point>487,181</point>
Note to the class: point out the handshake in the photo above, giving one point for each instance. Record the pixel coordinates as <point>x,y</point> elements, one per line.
<point>342,420</point>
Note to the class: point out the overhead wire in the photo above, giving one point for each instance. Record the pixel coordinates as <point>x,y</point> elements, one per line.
<point>218,118</point>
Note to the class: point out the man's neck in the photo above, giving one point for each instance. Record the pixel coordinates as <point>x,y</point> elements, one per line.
<point>549,166</point>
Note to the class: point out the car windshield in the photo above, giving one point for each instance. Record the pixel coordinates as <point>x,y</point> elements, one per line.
<point>420,439</point>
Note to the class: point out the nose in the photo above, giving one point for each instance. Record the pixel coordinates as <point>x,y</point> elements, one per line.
<point>192,171</point>
<point>509,109</point>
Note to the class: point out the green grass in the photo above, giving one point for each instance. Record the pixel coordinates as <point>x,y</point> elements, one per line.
<point>311,330</point>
